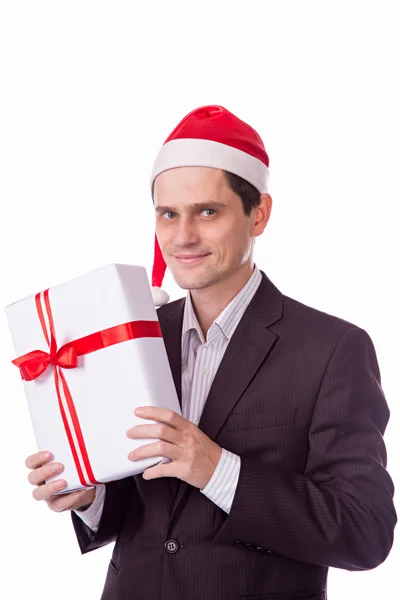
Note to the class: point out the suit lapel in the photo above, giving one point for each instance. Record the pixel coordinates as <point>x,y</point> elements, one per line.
<point>248,348</point>
<point>171,319</point>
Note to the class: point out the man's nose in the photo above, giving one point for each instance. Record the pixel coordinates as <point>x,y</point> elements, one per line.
<point>185,233</point>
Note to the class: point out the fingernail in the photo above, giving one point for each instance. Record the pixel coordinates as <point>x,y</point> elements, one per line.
<point>59,484</point>
<point>56,468</point>
<point>45,456</point>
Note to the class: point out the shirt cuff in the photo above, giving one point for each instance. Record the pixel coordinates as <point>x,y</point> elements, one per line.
<point>92,515</point>
<point>222,486</point>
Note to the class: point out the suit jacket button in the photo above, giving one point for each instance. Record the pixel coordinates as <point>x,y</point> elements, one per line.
<point>249,545</point>
<point>171,546</point>
<point>239,542</point>
<point>260,549</point>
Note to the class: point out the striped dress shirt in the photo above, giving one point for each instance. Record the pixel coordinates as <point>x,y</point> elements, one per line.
<point>200,361</point>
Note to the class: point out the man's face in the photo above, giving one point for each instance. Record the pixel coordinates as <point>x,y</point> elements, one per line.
<point>202,230</point>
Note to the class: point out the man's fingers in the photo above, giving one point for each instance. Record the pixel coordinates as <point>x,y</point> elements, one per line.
<point>38,459</point>
<point>65,501</point>
<point>39,475</point>
<point>49,489</point>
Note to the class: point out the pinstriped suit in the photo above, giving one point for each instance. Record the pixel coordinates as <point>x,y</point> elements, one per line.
<point>297,396</point>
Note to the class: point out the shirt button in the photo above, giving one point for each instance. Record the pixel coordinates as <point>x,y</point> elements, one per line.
<point>204,370</point>
<point>171,546</point>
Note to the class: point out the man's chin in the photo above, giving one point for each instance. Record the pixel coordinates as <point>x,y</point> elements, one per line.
<point>185,284</point>
<point>194,283</point>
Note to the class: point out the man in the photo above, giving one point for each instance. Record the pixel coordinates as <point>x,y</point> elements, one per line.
<point>277,468</point>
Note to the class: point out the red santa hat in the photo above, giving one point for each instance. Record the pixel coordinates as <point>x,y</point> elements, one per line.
<point>209,136</point>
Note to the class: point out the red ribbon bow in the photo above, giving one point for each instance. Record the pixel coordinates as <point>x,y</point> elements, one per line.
<point>33,364</point>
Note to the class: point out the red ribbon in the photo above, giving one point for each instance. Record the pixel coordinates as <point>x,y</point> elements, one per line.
<point>33,364</point>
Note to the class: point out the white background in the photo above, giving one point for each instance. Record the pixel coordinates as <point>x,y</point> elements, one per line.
<point>90,91</point>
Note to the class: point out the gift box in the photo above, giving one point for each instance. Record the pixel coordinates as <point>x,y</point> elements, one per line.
<point>89,352</point>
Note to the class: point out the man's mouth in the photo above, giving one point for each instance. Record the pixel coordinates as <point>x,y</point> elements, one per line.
<point>189,259</point>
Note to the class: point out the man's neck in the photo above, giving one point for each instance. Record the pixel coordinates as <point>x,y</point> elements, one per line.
<point>208,303</point>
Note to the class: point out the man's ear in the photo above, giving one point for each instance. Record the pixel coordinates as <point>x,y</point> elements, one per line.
<point>262,214</point>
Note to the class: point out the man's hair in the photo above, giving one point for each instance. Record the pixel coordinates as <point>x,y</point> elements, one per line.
<point>246,191</point>
<point>248,194</point>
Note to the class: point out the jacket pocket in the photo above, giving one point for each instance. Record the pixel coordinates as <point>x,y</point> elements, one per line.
<point>259,420</point>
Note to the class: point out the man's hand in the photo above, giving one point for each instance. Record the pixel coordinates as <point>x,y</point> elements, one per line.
<point>42,469</point>
<point>194,456</point>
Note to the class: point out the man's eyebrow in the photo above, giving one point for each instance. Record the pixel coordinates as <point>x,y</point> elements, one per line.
<point>192,207</point>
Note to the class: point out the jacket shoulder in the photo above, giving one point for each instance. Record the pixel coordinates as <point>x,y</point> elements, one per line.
<point>310,319</point>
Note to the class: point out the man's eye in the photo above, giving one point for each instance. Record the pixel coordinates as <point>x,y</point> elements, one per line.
<point>209,210</point>
<point>168,215</point>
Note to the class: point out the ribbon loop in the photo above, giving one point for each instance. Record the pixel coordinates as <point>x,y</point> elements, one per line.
<point>33,364</point>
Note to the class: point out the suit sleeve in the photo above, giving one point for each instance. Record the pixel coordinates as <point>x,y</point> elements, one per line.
<point>340,511</point>
<point>118,495</point>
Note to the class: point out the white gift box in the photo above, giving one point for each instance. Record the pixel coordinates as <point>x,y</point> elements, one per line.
<point>84,423</point>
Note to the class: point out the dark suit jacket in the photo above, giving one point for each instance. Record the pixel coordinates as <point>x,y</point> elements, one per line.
<point>297,396</point>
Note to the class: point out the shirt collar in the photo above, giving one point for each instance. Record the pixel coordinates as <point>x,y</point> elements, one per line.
<point>229,319</point>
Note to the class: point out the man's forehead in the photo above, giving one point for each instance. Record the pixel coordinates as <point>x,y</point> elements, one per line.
<point>190,187</point>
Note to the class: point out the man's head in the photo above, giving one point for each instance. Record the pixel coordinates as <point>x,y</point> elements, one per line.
<point>215,164</point>
<point>206,223</point>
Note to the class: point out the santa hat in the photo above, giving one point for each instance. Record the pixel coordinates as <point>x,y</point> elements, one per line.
<point>209,136</point>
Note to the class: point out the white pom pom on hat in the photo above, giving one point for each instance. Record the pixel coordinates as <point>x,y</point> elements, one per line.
<point>160,296</point>
<point>209,136</point>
